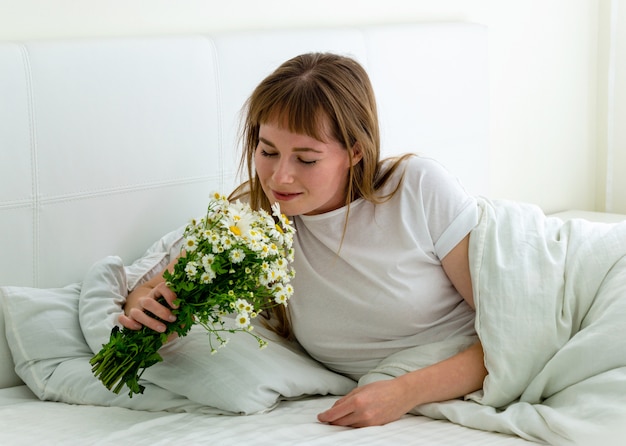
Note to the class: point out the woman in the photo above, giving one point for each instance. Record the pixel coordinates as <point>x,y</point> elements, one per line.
<point>381,246</point>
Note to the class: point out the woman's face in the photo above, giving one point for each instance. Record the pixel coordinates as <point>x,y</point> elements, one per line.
<point>304,175</point>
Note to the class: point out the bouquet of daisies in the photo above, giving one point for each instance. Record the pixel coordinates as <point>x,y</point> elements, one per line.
<point>233,261</point>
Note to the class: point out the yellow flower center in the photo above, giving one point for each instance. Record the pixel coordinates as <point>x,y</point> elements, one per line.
<point>235,230</point>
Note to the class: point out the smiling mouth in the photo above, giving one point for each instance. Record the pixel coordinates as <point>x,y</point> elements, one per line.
<point>284,196</point>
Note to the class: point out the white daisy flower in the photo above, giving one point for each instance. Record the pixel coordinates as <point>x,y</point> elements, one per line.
<point>243,306</point>
<point>281,298</point>
<point>255,234</point>
<point>207,261</point>
<point>207,277</point>
<point>227,242</point>
<point>191,269</point>
<point>239,304</point>
<point>288,289</point>
<point>242,320</point>
<point>216,196</point>
<point>273,249</point>
<point>280,263</point>
<point>212,236</point>
<point>238,219</point>
<point>237,255</point>
<point>276,210</point>
<point>190,243</point>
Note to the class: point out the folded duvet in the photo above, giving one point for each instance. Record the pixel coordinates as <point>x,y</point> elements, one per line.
<point>551,315</point>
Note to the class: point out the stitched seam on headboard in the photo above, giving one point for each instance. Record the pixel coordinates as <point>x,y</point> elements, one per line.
<point>33,159</point>
<point>16,204</point>
<point>86,194</point>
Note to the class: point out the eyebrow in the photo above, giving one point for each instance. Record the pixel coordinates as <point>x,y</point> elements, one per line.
<point>295,149</point>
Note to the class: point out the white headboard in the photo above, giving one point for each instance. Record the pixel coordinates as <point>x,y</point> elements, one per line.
<point>107,144</point>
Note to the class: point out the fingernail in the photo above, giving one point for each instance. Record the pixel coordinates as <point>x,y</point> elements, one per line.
<point>172,318</point>
<point>160,328</point>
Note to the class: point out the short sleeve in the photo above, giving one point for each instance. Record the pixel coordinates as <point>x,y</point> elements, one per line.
<point>448,210</point>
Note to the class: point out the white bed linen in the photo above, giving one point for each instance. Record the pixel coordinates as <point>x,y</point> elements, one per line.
<point>28,421</point>
<point>550,312</point>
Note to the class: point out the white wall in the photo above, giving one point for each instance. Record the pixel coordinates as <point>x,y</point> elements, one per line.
<point>612,119</point>
<point>544,70</point>
<point>617,201</point>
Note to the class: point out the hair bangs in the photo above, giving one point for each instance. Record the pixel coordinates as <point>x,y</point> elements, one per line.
<point>301,109</point>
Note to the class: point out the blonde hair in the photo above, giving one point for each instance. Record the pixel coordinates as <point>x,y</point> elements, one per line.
<point>319,95</point>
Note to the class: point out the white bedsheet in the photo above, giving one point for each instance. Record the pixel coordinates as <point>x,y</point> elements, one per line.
<point>28,421</point>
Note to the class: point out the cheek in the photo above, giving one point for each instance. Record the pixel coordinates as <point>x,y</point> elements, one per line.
<point>339,175</point>
<point>330,185</point>
<point>260,166</point>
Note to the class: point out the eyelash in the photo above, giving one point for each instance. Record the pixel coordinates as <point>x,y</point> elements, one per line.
<point>269,155</point>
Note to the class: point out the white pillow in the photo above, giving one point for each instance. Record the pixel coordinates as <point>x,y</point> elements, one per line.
<point>42,331</point>
<point>52,358</point>
<point>240,378</point>
<point>155,259</point>
<point>96,320</point>
<point>73,382</point>
<point>98,314</point>
<point>8,377</point>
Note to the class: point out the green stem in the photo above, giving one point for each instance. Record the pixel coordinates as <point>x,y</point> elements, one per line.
<point>122,360</point>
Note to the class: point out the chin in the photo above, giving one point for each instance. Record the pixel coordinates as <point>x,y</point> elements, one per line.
<point>290,211</point>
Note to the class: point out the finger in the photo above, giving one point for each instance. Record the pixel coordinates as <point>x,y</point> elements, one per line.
<point>155,308</point>
<point>338,411</point>
<point>162,290</point>
<point>350,420</point>
<point>129,323</point>
<point>147,320</point>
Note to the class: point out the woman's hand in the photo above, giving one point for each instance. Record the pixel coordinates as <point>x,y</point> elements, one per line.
<point>385,401</point>
<point>142,305</point>
<point>374,404</point>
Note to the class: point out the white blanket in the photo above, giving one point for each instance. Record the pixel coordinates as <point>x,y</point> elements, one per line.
<point>551,316</point>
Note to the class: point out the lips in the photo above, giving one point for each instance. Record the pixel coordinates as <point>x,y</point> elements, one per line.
<point>284,196</point>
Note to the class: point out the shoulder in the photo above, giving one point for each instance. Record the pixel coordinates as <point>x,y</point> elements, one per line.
<point>426,166</point>
<point>416,170</point>
<point>428,183</point>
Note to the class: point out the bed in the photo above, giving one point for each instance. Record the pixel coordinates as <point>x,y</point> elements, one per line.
<point>110,145</point>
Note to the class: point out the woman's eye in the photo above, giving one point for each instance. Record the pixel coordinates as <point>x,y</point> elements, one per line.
<point>266,153</point>
<point>309,163</point>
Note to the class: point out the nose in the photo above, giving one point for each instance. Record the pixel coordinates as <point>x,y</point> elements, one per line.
<point>283,172</point>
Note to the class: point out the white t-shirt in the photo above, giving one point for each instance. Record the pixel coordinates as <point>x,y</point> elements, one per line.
<point>384,290</point>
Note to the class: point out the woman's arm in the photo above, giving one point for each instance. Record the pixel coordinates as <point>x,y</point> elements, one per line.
<point>144,299</point>
<point>456,267</point>
<point>385,401</point>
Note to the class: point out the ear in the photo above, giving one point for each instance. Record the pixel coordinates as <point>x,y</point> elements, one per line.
<point>357,154</point>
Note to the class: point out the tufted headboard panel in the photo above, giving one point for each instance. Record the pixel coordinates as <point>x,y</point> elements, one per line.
<point>107,144</point>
